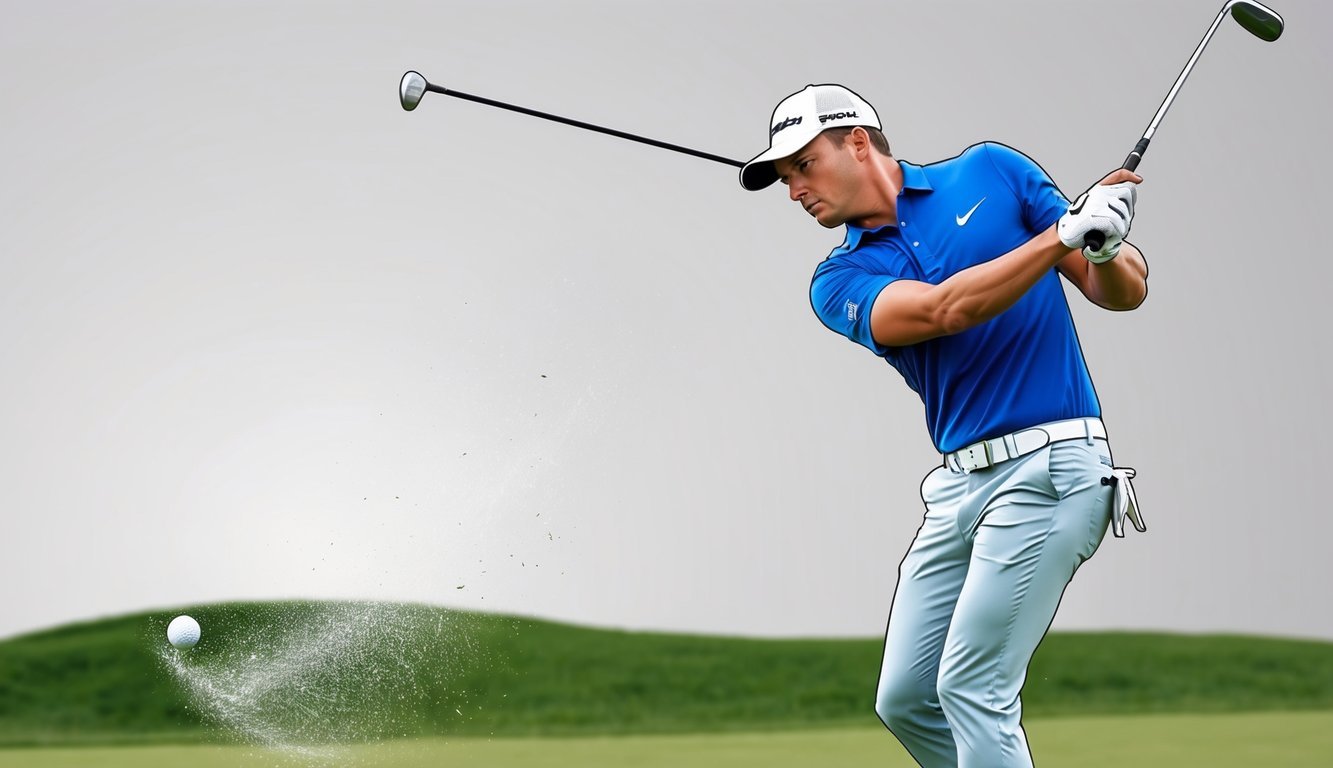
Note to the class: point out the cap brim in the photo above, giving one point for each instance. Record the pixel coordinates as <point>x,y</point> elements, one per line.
<point>760,172</point>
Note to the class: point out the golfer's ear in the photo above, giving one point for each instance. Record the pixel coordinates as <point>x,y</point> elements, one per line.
<point>860,139</point>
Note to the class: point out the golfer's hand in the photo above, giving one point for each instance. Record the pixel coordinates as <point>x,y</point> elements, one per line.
<point>1108,207</point>
<point>1118,176</point>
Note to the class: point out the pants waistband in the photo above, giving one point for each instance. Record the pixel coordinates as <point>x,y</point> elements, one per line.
<point>988,453</point>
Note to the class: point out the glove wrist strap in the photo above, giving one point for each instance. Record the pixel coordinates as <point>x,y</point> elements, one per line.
<point>1100,258</point>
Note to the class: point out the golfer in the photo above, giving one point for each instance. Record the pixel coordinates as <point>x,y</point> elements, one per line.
<point>951,272</point>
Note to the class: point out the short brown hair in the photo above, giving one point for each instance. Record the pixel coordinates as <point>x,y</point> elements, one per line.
<point>839,136</point>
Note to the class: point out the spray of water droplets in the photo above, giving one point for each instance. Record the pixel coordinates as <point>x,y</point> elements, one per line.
<point>304,678</point>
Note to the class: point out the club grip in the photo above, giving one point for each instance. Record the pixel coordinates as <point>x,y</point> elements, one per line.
<point>1132,161</point>
<point>1094,240</point>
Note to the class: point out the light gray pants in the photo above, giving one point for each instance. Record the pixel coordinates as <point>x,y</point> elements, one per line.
<point>976,593</point>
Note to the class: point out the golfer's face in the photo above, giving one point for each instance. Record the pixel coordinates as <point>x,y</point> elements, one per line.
<point>820,177</point>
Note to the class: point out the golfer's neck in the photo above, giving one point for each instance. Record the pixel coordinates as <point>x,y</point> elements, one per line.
<point>881,196</point>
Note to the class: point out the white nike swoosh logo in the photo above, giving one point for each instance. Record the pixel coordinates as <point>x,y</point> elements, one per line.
<point>963,219</point>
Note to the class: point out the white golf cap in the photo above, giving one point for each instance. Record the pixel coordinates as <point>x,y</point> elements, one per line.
<point>801,117</point>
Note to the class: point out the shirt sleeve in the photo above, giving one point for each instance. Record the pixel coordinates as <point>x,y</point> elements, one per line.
<point>1042,202</point>
<point>842,293</point>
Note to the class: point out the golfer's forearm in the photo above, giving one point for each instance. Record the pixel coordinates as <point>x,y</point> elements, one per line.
<point>981,292</point>
<point>1122,282</point>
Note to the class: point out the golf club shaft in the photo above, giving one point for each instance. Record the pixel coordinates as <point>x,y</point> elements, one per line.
<point>580,124</point>
<point>1135,156</point>
<point>1095,240</point>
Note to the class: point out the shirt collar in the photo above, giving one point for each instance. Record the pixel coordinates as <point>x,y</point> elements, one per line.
<point>914,178</point>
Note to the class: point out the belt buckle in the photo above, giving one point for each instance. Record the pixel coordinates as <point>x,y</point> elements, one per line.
<point>969,456</point>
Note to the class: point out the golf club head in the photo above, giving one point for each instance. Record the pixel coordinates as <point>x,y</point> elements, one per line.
<point>1259,20</point>
<point>410,90</point>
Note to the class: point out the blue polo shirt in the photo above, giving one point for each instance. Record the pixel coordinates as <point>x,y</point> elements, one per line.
<point>1021,368</point>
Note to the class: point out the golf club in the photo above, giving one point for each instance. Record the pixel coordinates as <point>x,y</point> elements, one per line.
<point>1259,20</point>
<point>413,87</point>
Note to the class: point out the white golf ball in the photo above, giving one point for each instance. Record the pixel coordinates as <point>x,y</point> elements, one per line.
<point>183,632</point>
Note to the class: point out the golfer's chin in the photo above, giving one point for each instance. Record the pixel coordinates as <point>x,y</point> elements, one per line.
<point>826,217</point>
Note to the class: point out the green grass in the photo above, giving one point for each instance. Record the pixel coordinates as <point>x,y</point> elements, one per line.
<point>101,682</point>
<point>1272,740</point>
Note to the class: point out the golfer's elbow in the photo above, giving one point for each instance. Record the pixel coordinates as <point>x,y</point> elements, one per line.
<point>1132,301</point>
<point>952,311</point>
<point>955,318</point>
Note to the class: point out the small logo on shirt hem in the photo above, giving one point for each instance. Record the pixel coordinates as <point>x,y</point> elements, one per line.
<point>851,312</point>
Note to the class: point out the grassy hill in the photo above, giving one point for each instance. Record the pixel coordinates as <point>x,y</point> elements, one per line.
<point>350,671</point>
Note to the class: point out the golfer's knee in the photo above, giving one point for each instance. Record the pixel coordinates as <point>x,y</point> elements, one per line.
<point>962,694</point>
<point>953,692</point>
<point>904,701</point>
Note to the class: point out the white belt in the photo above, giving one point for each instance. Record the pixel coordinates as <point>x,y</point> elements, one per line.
<point>988,453</point>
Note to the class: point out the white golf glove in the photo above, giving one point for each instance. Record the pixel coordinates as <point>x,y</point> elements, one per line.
<point>1124,503</point>
<point>1106,208</point>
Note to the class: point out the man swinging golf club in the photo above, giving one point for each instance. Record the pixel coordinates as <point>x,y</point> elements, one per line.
<point>950,272</point>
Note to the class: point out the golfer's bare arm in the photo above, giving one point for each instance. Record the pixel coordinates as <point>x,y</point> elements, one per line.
<point>1120,284</point>
<point>910,311</point>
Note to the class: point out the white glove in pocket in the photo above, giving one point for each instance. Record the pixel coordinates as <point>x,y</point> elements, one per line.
<point>1125,503</point>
